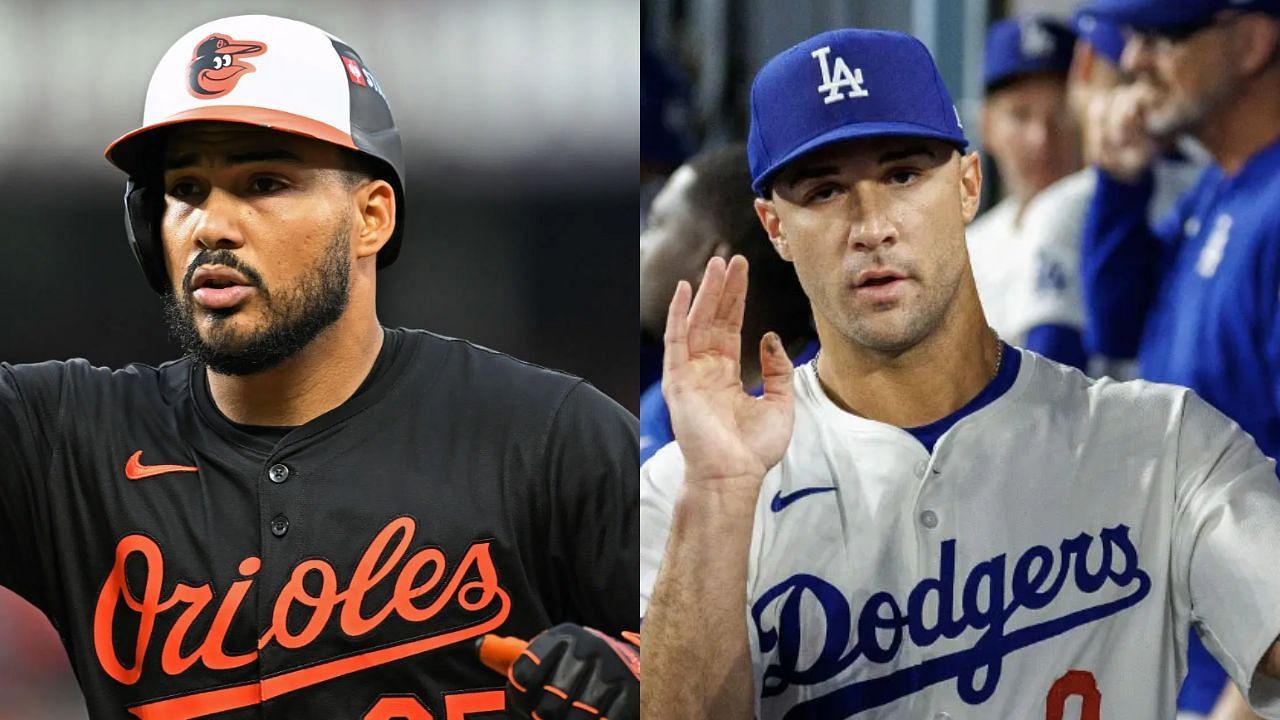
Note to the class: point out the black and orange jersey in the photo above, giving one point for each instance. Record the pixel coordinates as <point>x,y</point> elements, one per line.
<point>340,569</point>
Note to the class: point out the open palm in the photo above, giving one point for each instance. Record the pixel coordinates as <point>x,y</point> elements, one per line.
<point>722,431</point>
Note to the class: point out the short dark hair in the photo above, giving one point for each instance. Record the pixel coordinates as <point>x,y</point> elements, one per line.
<point>360,168</point>
<point>722,190</point>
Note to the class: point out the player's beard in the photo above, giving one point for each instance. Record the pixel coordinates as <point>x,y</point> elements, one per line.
<point>291,319</point>
<point>1180,114</point>
<point>912,324</point>
<point>896,330</point>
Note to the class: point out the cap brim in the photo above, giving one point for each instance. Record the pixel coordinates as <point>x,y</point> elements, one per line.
<point>128,151</point>
<point>854,132</point>
<point>1145,16</point>
<point>1011,75</point>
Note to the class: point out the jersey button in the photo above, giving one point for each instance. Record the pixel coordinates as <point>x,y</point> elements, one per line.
<point>280,526</point>
<point>920,468</point>
<point>278,473</point>
<point>929,519</point>
<point>942,716</point>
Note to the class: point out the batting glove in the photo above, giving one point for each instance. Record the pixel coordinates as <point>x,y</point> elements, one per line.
<point>571,672</point>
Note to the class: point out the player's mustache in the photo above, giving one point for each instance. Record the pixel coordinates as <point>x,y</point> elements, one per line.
<point>225,258</point>
<point>881,262</point>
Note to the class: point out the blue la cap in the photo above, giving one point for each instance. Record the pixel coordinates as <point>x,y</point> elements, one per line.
<point>1163,14</point>
<point>841,85</point>
<point>1106,37</point>
<point>1024,45</point>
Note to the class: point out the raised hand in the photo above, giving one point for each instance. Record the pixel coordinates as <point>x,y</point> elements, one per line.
<point>1116,138</point>
<point>723,432</point>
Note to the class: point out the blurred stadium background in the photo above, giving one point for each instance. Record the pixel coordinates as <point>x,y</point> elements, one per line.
<point>520,123</point>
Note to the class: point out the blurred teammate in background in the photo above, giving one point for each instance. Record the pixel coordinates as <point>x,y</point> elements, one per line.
<point>1193,296</point>
<point>664,98</point>
<point>705,211</point>
<point>1028,130</point>
<point>664,144</point>
<point>1049,302</point>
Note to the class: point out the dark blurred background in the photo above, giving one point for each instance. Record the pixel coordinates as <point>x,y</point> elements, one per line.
<point>714,48</point>
<point>520,122</point>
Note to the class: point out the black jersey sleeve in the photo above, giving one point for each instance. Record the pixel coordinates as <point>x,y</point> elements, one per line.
<point>594,471</point>
<point>25,447</point>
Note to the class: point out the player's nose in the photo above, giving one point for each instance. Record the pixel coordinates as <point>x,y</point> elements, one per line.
<point>1038,134</point>
<point>870,225</point>
<point>218,221</point>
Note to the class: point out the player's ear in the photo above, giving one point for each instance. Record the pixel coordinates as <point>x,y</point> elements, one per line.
<point>970,186</point>
<point>1255,41</point>
<point>772,224</point>
<point>375,216</point>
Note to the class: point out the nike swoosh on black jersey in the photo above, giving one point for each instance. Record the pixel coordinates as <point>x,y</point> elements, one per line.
<point>780,501</point>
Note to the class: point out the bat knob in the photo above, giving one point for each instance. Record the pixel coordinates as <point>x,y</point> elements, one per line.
<point>498,653</point>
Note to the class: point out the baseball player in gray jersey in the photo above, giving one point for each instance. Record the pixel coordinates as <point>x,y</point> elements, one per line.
<point>926,522</point>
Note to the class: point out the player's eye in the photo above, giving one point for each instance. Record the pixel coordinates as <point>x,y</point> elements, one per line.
<point>903,176</point>
<point>265,185</point>
<point>182,189</point>
<point>822,192</point>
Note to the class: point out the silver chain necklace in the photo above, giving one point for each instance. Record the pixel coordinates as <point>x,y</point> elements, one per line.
<point>813,362</point>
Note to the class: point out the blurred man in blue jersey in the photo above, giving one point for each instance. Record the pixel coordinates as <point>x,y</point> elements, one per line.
<point>1196,296</point>
<point>704,211</point>
<point>1049,300</point>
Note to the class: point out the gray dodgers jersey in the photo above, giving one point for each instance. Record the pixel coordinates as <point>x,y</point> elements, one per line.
<point>1053,549</point>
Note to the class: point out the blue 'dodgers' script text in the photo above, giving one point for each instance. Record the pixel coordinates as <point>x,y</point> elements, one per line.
<point>884,622</point>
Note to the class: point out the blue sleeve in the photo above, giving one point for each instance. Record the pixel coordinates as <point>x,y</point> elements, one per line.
<point>1267,304</point>
<point>1059,343</point>
<point>655,422</point>
<point>1204,681</point>
<point>1122,262</point>
<point>650,362</point>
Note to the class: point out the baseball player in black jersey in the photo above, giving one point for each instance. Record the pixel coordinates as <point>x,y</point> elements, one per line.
<point>310,515</point>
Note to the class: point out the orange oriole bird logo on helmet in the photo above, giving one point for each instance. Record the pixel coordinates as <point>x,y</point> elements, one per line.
<point>217,64</point>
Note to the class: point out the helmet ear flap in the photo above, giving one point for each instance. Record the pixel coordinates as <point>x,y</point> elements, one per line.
<point>142,224</point>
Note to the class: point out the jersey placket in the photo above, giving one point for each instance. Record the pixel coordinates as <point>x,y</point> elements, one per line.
<point>279,500</point>
<point>931,524</point>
